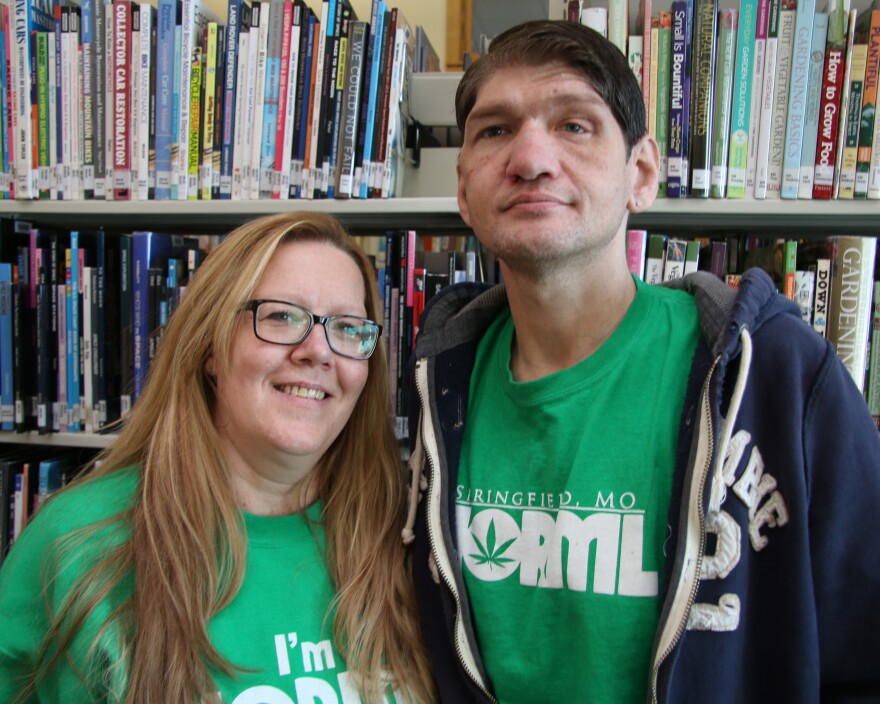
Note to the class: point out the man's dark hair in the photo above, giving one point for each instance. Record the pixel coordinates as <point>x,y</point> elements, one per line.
<point>581,48</point>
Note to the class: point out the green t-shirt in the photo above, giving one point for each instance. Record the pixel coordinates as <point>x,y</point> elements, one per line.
<point>562,505</point>
<point>277,625</point>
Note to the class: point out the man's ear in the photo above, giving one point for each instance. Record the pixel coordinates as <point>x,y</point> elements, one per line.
<point>645,164</point>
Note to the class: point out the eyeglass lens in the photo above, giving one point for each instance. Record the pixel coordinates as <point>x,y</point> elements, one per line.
<point>288,324</point>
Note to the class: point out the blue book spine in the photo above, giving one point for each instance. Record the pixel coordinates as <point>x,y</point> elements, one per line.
<point>371,103</point>
<point>7,393</point>
<point>140,308</point>
<point>165,32</point>
<point>51,478</point>
<point>73,360</point>
<point>233,27</point>
<point>797,98</point>
<point>271,91</point>
<point>175,113</point>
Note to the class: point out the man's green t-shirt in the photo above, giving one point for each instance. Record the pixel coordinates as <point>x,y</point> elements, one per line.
<point>562,505</point>
<point>278,628</point>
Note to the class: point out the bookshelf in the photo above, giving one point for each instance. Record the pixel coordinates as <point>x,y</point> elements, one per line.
<point>428,203</point>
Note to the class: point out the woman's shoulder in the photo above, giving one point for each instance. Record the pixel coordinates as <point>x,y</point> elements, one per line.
<point>88,501</point>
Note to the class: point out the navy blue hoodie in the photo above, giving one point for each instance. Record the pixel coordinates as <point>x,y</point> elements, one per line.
<point>772,592</point>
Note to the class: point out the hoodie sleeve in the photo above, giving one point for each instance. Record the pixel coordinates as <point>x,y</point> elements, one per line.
<point>842,448</point>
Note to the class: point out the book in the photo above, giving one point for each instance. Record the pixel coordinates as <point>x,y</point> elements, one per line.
<point>397,116</point>
<point>165,23</point>
<point>797,98</point>
<point>767,92</point>
<point>868,32</point>
<point>193,145</point>
<point>28,16</point>
<point>804,281</point>
<point>789,268</point>
<point>850,314</point>
<point>275,32</point>
<point>822,296</point>
<point>832,99</point>
<point>656,259</point>
<point>636,246</point>
<point>814,95</point>
<point>650,75</point>
<point>150,250</point>
<point>244,99</point>
<point>209,111</point>
<point>849,158</point>
<point>354,82</point>
<point>728,20</point>
<point>873,391</point>
<point>756,101</point>
<point>679,103</point>
<point>7,392</point>
<point>99,118</point>
<point>664,67</point>
<point>673,266</point>
<point>649,63</point>
<point>784,45</point>
<point>371,97</point>
<point>618,23</point>
<point>287,99</point>
<point>260,13</point>
<point>121,99</point>
<point>692,257</point>
<point>142,58</point>
<point>742,91</point>
<point>311,170</point>
<point>718,259</point>
<point>701,102</point>
<point>843,124</point>
<point>230,74</point>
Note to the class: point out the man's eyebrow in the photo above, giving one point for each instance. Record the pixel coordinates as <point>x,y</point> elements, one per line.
<point>502,108</point>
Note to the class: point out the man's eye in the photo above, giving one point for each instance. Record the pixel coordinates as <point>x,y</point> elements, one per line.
<point>574,128</point>
<point>492,132</point>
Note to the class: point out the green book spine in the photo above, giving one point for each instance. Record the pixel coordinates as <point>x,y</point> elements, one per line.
<point>664,58</point>
<point>742,96</point>
<point>724,58</point>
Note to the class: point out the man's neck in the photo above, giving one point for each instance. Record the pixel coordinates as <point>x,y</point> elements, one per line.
<point>562,320</point>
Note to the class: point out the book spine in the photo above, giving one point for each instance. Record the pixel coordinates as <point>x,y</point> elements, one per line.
<point>852,288</point>
<point>99,98</point>
<point>164,96</point>
<point>826,142</point>
<point>664,69</point>
<point>193,149</point>
<point>371,103</point>
<point>873,393</point>
<point>141,243</point>
<point>284,130</point>
<point>233,29</point>
<point>742,91</point>
<point>7,392</point>
<point>869,103</point>
<point>301,103</point>
<point>844,104</point>
<point>847,178</point>
<point>87,31</point>
<point>141,149</point>
<point>43,112</point>
<point>676,178</point>
<point>756,101</point>
<point>811,116</point>
<point>705,21</point>
<point>724,64</point>
<point>618,23</point>
<point>649,58</point>
<point>351,109</point>
<point>797,98</point>
<point>822,299</point>
<point>121,100</point>
<point>73,333</point>
<point>206,171</point>
<point>243,97</point>
<point>328,148</point>
<point>768,83</point>
<point>311,168</point>
<point>651,76</point>
<point>259,88</point>
<point>271,97</point>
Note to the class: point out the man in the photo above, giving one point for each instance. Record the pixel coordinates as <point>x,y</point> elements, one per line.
<point>631,493</point>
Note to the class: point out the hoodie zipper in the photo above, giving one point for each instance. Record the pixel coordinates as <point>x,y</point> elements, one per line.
<point>444,565</point>
<point>706,446</point>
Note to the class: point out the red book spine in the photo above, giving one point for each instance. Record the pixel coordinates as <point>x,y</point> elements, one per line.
<point>829,115</point>
<point>282,98</point>
<point>121,99</point>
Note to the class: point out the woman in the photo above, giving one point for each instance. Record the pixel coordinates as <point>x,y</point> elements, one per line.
<point>239,542</point>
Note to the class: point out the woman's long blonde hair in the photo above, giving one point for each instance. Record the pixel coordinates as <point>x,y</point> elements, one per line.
<point>187,547</point>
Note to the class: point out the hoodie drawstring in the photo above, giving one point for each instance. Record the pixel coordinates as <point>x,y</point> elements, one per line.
<point>416,463</point>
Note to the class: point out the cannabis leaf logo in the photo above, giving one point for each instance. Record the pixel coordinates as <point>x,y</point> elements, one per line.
<point>491,554</point>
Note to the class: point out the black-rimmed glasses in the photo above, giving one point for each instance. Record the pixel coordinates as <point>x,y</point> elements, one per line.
<point>283,323</point>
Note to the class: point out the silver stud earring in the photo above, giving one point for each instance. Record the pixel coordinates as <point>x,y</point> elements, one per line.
<point>638,204</point>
